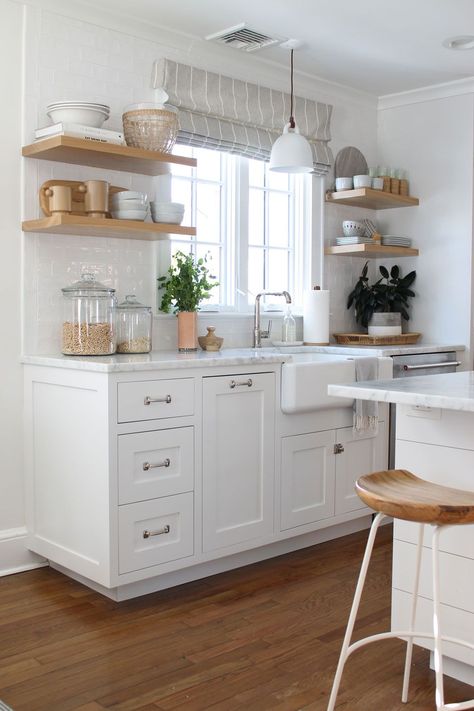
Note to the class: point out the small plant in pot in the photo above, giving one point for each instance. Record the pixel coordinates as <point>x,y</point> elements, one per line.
<point>186,283</point>
<point>383,304</point>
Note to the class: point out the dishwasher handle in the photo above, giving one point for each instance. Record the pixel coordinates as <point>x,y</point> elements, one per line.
<point>423,366</point>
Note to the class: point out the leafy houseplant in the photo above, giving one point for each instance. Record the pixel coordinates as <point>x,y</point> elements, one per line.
<point>389,294</point>
<point>185,285</point>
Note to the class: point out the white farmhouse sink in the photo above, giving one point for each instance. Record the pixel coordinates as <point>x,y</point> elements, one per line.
<point>304,381</point>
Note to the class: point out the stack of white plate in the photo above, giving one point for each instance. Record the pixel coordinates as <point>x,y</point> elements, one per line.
<point>170,212</point>
<point>86,113</point>
<point>393,241</point>
<point>129,205</point>
<point>353,240</point>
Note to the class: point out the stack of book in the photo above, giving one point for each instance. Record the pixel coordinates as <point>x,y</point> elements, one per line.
<point>77,130</point>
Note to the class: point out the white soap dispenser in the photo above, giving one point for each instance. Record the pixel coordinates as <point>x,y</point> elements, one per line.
<point>288,331</point>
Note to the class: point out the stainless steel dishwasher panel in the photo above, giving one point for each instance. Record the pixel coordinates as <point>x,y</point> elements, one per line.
<point>406,366</point>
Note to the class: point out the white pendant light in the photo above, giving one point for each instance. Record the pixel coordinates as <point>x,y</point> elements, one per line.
<point>291,152</point>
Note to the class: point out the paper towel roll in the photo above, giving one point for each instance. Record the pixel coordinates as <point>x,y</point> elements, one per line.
<point>316,317</point>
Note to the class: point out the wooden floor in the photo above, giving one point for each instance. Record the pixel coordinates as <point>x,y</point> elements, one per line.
<point>265,637</point>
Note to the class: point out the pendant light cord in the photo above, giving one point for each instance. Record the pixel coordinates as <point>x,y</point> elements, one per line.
<point>292,118</point>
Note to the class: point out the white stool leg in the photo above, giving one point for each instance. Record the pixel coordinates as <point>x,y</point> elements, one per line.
<point>409,652</point>
<point>355,606</point>
<point>438,651</point>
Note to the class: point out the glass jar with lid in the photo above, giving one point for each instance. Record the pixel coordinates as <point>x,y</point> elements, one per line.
<point>134,324</point>
<point>88,318</point>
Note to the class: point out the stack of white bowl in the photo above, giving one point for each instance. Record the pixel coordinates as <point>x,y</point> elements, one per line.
<point>129,205</point>
<point>86,113</point>
<point>170,212</point>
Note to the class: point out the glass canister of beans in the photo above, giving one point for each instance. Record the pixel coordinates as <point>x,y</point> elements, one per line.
<point>134,324</point>
<point>88,318</point>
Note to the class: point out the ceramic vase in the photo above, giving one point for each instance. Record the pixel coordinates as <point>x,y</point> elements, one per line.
<point>187,331</point>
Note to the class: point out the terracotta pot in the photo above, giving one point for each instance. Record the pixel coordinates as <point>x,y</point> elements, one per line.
<point>187,331</point>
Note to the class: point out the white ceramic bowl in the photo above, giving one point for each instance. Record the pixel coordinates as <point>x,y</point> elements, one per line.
<point>129,195</point>
<point>362,181</point>
<point>129,214</point>
<point>168,219</point>
<point>351,228</point>
<point>168,205</point>
<point>344,183</point>
<point>85,116</point>
<point>117,205</point>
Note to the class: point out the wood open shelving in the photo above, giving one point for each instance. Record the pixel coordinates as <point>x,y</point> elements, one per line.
<point>79,151</point>
<point>106,227</point>
<point>370,251</point>
<point>372,199</point>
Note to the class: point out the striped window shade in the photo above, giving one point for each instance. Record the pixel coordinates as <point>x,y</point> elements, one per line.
<point>235,116</point>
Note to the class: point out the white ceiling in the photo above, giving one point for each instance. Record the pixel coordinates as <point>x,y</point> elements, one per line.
<point>378,46</point>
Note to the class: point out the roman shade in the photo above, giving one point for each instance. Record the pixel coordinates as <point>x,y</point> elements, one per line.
<point>226,114</point>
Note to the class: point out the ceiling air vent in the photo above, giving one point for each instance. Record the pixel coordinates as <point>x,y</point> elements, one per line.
<point>243,38</point>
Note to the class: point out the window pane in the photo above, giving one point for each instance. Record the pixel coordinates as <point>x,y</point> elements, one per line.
<point>257,173</point>
<point>208,220</point>
<point>278,270</point>
<point>181,191</point>
<point>213,264</point>
<point>256,216</point>
<point>277,220</point>
<point>209,164</point>
<point>255,273</point>
<point>276,181</point>
<point>185,151</point>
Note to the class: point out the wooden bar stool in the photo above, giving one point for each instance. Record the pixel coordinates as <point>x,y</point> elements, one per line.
<point>400,494</point>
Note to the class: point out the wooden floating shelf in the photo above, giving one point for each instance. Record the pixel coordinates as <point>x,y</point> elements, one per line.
<point>371,250</point>
<point>79,151</point>
<point>372,199</point>
<point>97,227</point>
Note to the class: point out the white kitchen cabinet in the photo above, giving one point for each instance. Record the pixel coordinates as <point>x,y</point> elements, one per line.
<point>307,482</point>
<point>238,458</point>
<point>360,454</point>
<point>319,471</point>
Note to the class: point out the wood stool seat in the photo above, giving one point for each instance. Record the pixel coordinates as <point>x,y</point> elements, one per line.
<point>401,494</point>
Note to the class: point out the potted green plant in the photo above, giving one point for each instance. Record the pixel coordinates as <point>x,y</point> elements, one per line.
<point>389,295</point>
<point>186,283</point>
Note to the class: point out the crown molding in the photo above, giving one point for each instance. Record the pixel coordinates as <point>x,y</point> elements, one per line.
<point>427,93</point>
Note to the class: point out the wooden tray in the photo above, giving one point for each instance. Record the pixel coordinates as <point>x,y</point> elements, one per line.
<point>363,339</point>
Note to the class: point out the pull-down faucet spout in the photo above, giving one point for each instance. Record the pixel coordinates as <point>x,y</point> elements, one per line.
<point>257,333</point>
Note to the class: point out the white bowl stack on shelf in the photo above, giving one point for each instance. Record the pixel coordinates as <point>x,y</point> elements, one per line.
<point>86,113</point>
<point>129,205</point>
<point>168,212</point>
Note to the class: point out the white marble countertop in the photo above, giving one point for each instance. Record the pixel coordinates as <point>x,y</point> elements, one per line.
<point>162,360</point>
<point>450,391</point>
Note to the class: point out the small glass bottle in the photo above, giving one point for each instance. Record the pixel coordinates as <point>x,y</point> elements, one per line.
<point>134,323</point>
<point>288,331</point>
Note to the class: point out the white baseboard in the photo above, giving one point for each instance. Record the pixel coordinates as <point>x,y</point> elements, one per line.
<point>14,555</point>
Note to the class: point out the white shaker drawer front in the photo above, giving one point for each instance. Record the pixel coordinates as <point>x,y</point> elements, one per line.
<point>155,399</point>
<point>155,532</point>
<point>153,464</point>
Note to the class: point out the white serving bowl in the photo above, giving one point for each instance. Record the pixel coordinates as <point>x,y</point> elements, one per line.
<point>344,184</point>
<point>117,205</point>
<point>124,195</point>
<point>129,214</point>
<point>85,116</point>
<point>351,228</point>
<point>169,219</point>
<point>362,181</point>
<point>168,205</point>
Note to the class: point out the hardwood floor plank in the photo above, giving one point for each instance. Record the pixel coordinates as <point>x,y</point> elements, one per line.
<point>261,638</point>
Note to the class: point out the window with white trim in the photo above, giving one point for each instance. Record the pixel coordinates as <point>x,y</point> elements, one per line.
<point>252,223</point>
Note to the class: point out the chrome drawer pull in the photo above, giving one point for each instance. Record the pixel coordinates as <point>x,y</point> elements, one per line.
<point>338,448</point>
<point>149,399</point>
<point>147,465</point>
<point>235,384</point>
<point>158,532</point>
<point>444,364</point>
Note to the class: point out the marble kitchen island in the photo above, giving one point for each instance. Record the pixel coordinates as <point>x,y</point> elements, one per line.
<point>434,440</point>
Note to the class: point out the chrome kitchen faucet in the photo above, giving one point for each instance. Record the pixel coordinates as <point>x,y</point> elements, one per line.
<point>257,333</point>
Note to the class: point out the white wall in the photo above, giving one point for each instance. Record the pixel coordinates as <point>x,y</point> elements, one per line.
<point>433,140</point>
